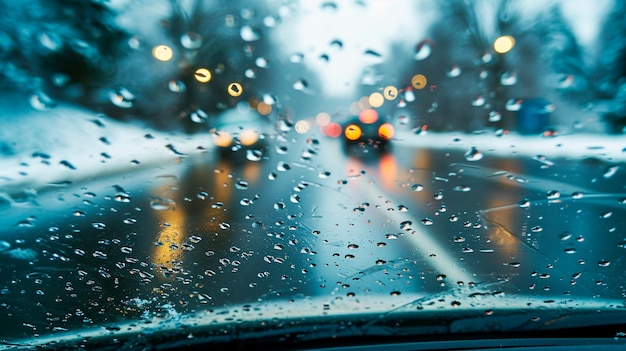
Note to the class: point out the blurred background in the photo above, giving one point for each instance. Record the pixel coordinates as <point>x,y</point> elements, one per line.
<point>492,64</point>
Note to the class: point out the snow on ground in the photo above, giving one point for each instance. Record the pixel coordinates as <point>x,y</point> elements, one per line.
<point>67,143</point>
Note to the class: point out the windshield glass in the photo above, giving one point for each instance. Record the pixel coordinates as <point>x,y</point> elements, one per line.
<point>221,168</point>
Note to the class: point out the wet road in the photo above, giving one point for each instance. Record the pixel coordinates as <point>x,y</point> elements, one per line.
<point>310,219</point>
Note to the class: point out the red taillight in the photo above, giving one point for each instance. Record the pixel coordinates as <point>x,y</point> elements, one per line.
<point>368,116</point>
<point>333,130</point>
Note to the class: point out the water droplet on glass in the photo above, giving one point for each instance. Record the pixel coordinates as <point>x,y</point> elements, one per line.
<point>224,226</point>
<point>462,188</point>
<point>249,34</point>
<point>98,225</point>
<point>577,195</point>
<point>553,194</point>
<point>605,215</point>
<point>198,116</point>
<point>524,203</point>
<point>301,85</point>
<point>262,62</point>
<point>610,172</point>
<point>454,71</point>
<point>417,187</point>
<point>478,101</point>
<point>122,97</point>
<point>42,102</point>
<point>604,263</point>
<point>295,198</point>
<point>508,78</point>
<point>296,58</point>
<point>254,155</point>
<point>406,225</point>
<point>473,154</point>
<point>495,116</point>
<point>162,204</point>
<point>423,50</point>
<point>570,250</point>
<point>191,40</point>
<point>403,119</point>
<point>241,184</point>
<point>427,221</point>
<point>100,254</point>
<point>513,105</point>
<point>283,166</point>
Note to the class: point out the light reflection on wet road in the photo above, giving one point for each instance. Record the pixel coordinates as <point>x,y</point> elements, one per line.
<point>307,221</point>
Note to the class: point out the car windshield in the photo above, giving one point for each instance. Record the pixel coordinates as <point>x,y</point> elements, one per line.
<point>296,171</point>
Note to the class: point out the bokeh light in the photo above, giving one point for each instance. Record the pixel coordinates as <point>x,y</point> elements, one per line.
<point>376,99</point>
<point>504,44</point>
<point>222,139</point>
<point>322,119</point>
<point>390,92</point>
<point>202,75</point>
<point>419,81</point>
<point>368,116</point>
<point>263,108</point>
<point>162,53</point>
<point>333,129</point>
<point>352,132</point>
<point>248,137</point>
<point>386,131</point>
<point>235,89</point>
<point>302,126</point>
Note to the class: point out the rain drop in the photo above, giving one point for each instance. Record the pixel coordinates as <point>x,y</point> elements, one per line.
<point>508,78</point>
<point>162,204</point>
<point>241,185</point>
<point>454,71</point>
<point>553,194</point>
<point>462,188</point>
<point>249,34</point>
<point>423,50</point>
<point>478,101</point>
<point>473,154</point>
<point>122,97</point>
<point>191,40</point>
<point>254,155</point>
<point>610,172</point>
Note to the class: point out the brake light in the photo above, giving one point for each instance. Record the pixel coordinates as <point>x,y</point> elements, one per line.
<point>333,129</point>
<point>368,116</point>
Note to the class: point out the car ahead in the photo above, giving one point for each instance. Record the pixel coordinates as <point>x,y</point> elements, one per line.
<point>240,131</point>
<point>118,235</point>
<point>368,128</point>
